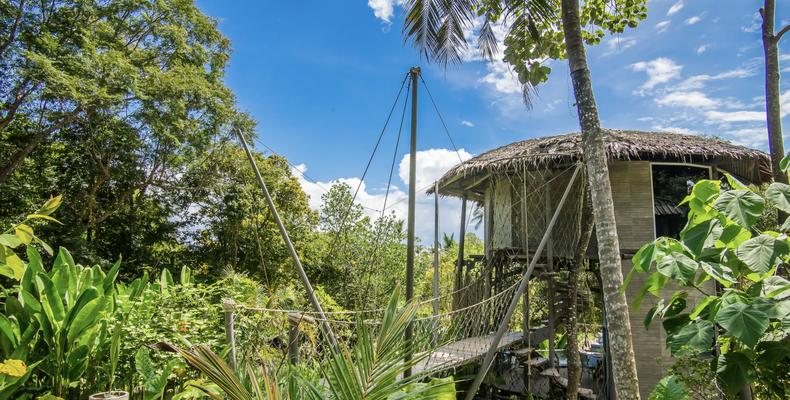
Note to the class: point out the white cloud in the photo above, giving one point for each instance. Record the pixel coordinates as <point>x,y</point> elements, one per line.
<point>662,26</point>
<point>618,44</point>
<point>660,70</point>
<point>676,129</point>
<point>735,116</point>
<point>384,9</point>
<point>750,137</point>
<point>431,165</point>
<point>502,78</point>
<point>699,81</point>
<point>693,20</point>
<point>691,99</point>
<point>702,49</point>
<point>675,8</point>
<point>469,124</point>
<point>755,25</point>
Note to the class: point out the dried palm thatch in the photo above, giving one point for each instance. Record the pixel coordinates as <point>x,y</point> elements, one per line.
<point>557,151</point>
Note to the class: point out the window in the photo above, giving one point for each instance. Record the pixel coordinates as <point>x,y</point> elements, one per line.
<point>671,184</point>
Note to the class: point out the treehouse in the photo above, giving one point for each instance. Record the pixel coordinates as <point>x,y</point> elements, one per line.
<point>520,186</point>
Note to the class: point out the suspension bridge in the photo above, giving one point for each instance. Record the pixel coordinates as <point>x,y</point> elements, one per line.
<point>480,317</point>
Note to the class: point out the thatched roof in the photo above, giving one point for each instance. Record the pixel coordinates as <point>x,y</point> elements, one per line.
<point>556,151</point>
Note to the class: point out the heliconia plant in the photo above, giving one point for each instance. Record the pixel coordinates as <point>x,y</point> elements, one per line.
<point>54,321</point>
<point>732,302</point>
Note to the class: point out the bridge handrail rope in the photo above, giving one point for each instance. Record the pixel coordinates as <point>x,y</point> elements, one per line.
<point>424,301</point>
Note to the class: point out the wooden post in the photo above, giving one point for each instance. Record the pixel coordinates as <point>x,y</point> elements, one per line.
<point>295,335</point>
<point>228,307</point>
<point>525,298</point>
<point>435,260</point>
<point>294,256</point>
<point>459,272</point>
<point>492,349</point>
<point>293,343</point>
<point>550,270</point>
<point>415,74</point>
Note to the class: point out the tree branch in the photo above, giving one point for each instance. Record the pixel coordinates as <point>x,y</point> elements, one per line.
<point>12,33</point>
<point>779,34</point>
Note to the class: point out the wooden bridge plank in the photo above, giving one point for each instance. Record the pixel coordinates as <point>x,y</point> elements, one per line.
<point>462,352</point>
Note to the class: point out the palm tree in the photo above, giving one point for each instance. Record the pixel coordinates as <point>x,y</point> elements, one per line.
<point>773,103</point>
<point>372,370</point>
<point>538,29</point>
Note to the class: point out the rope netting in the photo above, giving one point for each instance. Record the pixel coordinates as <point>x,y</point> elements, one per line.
<point>518,205</point>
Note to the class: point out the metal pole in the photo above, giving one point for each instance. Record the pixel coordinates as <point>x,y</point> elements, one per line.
<point>492,349</point>
<point>228,307</point>
<point>435,258</point>
<point>415,75</point>
<point>298,263</point>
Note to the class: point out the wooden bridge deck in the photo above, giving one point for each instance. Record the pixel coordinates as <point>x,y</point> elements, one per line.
<point>462,352</point>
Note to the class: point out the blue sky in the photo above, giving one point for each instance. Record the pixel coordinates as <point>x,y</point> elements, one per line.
<point>320,76</point>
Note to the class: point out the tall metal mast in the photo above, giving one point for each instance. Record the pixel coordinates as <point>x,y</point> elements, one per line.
<point>415,76</point>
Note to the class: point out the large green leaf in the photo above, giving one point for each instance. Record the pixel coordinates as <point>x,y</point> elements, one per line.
<point>784,164</point>
<point>734,371</point>
<point>677,266</point>
<point>653,285</point>
<point>88,317</point>
<point>743,321</point>
<point>779,194</point>
<point>85,298</point>
<point>776,287</point>
<point>704,191</point>
<point>77,362</point>
<point>669,388</point>
<point>696,337</point>
<point>63,259</point>
<point>762,253</point>
<point>9,240</point>
<point>109,280</point>
<point>51,302</point>
<point>644,257</point>
<point>719,272</point>
<point>699,235</point>
<point>732,235</point>
<point>741,206</point>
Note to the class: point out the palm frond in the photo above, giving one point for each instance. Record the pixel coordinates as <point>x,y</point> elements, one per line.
<point>487,43</point>
<point>421,25</point>
<point>537,10</point>
<point>456,16</point>
<point>217,371</point>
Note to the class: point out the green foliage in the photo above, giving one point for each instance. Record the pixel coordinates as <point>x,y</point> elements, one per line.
<point>154,381</point>
<point>370,370</point>
<point>21,234</point>
<point>361,260</point>
<point>65,312</point>
<point>750,311</point>
<point>669,388</point>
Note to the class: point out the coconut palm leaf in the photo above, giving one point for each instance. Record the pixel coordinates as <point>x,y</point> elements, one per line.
<point>372,369</point>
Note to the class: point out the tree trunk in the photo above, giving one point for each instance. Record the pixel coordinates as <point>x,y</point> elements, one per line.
<point>617,321</point>
<point>773,106</point>
<point>585,233</point>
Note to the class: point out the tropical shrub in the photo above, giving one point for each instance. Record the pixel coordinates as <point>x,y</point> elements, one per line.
<point>369,370</point>
<point>732,303</point>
